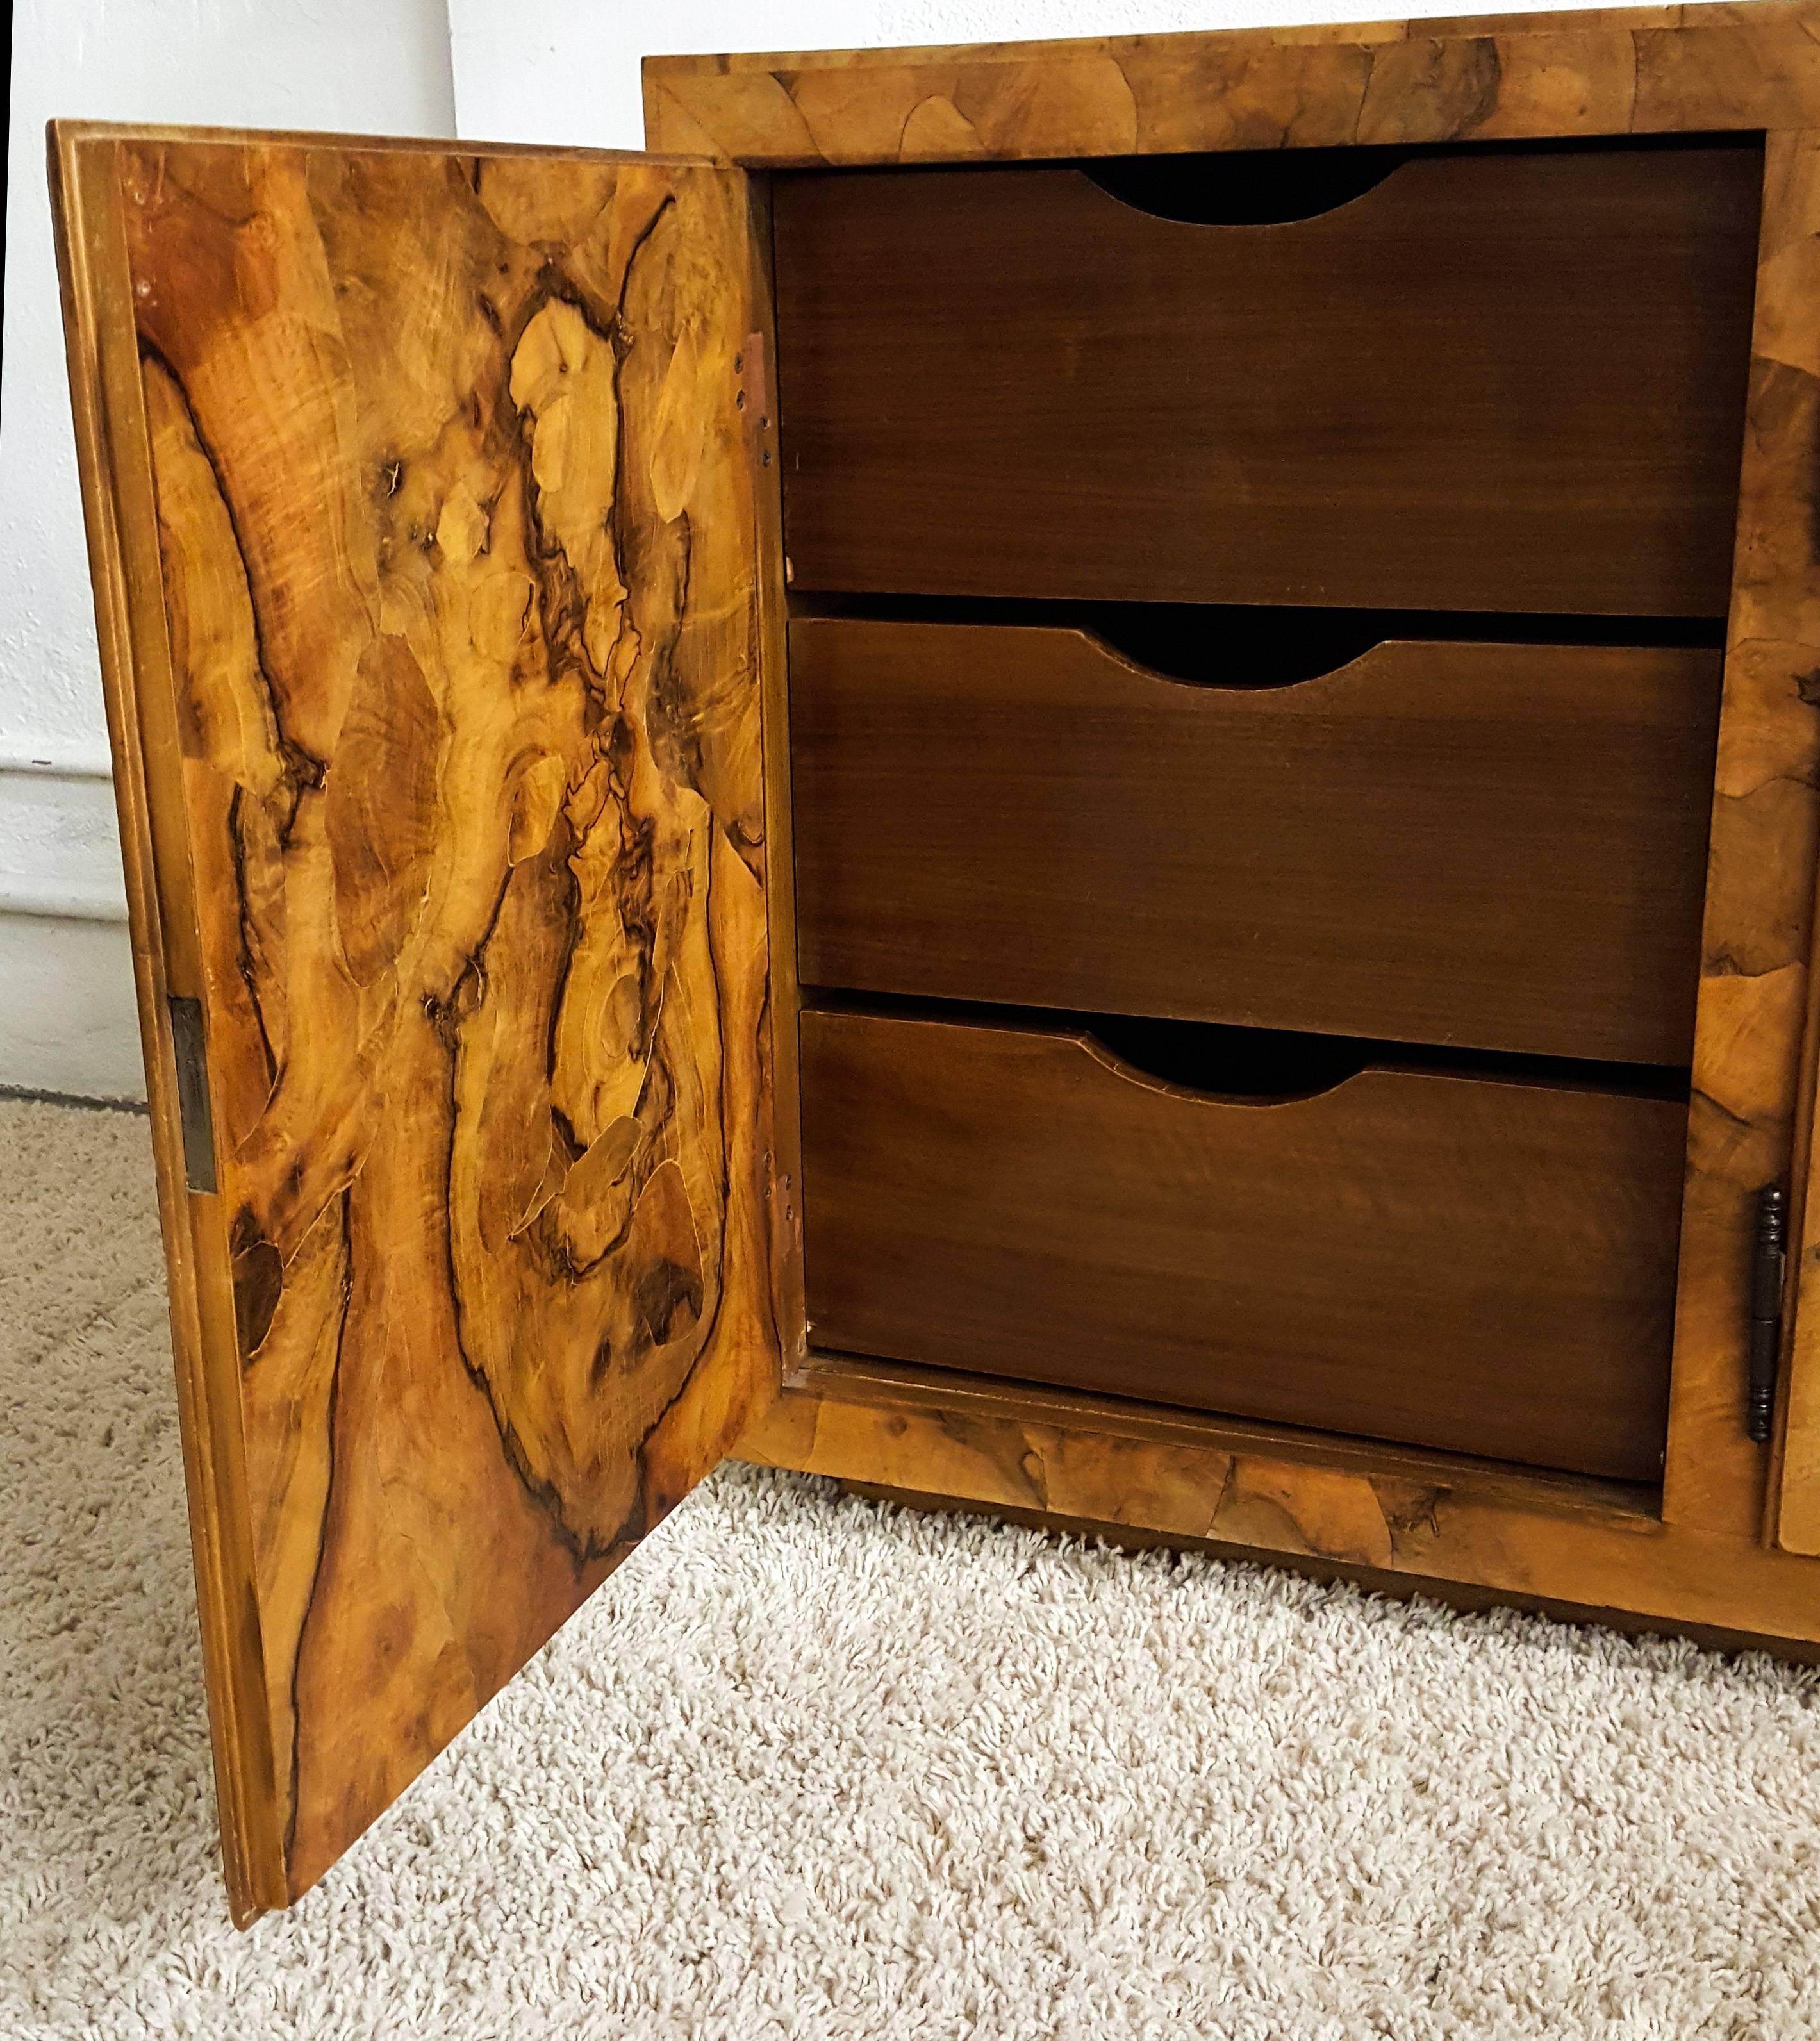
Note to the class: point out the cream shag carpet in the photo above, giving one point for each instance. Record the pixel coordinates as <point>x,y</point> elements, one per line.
<point>812,1768</point>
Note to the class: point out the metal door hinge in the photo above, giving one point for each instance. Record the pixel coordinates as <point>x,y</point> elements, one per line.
<point>1768,1261</point>
<point>752,396</point>
<point>193,1107</point>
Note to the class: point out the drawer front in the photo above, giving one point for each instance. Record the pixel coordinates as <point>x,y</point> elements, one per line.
<point>1497,846</point>
<point>1480,1266</point>
<point>1498,380</point>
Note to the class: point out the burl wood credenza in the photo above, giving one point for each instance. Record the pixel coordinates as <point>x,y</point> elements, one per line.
<point>1080,778</point>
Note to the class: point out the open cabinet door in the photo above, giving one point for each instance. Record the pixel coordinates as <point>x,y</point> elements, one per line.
<point>422,497</point>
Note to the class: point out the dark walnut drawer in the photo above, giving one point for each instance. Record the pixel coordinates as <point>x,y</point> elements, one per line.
<point>1499,846</point>
<point>1500,380</point>
<point>1486,1267</point>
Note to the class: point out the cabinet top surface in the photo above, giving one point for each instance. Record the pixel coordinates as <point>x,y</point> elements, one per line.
<point>1752,14</point>
<point>1474,77</point>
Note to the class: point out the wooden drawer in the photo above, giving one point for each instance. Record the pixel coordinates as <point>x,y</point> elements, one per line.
<point>1500,380</point>
<point>1480,1265</point>
<point>1496,845</point>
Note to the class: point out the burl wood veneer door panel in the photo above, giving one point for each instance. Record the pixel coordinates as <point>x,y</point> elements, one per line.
<point>422,501</point>
<point>1498,380</point>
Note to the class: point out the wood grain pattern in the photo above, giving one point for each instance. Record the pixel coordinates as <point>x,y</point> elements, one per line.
<point>758,400</point>
<point>1756,979</point>
<point>1092,1461</point>
<point>1498,845</point>
<point>398,387</point>
<point>1496,381</point>
<point>456,535</point>
<point>1485,1266</point>
<point>107,401</point>
<point>1770,789</point>
<point>1404,1586</point>
<point>1609,71</point>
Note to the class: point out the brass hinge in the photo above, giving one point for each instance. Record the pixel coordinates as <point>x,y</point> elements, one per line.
<point>1768,1263</point>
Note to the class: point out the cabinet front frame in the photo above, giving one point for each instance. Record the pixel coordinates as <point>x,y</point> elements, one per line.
<point>1695,1555</point>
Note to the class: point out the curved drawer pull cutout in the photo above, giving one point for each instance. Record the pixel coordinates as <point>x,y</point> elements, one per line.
<point>1229,650</point>
<point>1243,1066</point>
<point>1224,1065</point>
<point>1255,649</point>
<point>1245,188</point>
<point>1291,187</point>
<point>1247,671</point>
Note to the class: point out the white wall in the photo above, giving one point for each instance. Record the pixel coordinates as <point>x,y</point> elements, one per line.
<point>540,70</point>
<point>66,1019</point>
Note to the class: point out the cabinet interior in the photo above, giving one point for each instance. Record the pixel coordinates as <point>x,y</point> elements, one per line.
<point>940,543</point>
